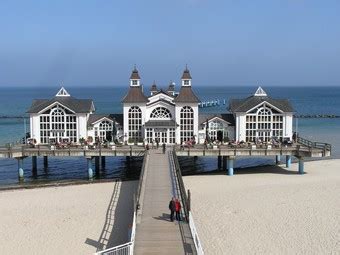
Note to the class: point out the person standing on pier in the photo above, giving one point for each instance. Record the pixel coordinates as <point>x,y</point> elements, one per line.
<point>172,208</point>
<point>163,146</point>
<point>178,210</point>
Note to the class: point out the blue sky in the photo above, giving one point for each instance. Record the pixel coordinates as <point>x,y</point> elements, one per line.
<point>230,42</point>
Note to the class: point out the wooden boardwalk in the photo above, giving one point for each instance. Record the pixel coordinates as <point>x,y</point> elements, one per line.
<point>155,233</point>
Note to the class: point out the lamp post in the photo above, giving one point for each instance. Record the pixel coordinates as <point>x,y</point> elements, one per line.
<point>24,141</point>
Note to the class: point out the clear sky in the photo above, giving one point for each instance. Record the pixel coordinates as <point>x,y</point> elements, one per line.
<point>230,42</point>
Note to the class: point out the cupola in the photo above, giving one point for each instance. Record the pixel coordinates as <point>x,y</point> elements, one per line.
<point>186,78</point>
<point>134,78</point>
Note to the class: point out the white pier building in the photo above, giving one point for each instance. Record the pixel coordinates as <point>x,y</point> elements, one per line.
<point>165,115</point>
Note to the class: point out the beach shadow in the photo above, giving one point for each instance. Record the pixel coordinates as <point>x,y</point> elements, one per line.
<point>266,170</point>
<point>164,217</point>
<point>118,219</point>
<point>252,170</point>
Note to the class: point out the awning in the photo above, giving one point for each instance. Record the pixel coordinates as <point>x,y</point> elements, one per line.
<point>161,123</point>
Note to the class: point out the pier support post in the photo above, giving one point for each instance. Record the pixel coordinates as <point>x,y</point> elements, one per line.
<point>277,160</point>
<point>219,162</point>
<point>231,166</point>
<point>89,168</point>
<point>224,163</point>
<point>97,163</point>
<point>20,168</point>
<point>288,161</point>
<point>103,161</point>
<point>34,163</point>
<point>301,166</point>
<point>45,162</point>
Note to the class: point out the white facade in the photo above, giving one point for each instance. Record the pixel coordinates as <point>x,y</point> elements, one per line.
<point>263,122</point>
<point>165,117</point>
<point>160,117</point>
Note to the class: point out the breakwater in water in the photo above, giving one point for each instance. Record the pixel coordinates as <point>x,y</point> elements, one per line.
<point>317,116</point>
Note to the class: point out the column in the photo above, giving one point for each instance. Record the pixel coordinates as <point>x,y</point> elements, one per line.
<point>231,166</point>
<point>103,161</point>
<point>224,163</point>
<point>97,163</point>
<point>278,158</point>
<point>45,161</point>
<point>288,161</point>
<point>34,163</point>
<point>20,168</point>
<point>219,162</point>
<point>89,168</point>
<point>301,166</point>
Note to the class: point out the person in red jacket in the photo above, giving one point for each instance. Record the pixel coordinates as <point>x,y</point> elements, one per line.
<point>178,210</point>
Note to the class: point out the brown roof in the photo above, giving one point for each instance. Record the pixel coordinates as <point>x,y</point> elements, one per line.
<point>134,75</point>
<point>154,87</point>
<point>186,95</point>
<point>135,95</point>
<point>186,75</point>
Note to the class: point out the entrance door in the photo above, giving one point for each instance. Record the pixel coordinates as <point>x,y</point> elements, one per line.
<point>57,135</point>
<point>161,135</point>
<point>264,136</point>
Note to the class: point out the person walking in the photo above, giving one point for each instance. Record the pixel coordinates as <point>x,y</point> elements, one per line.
<point>172,208</point>
<point>163,146</point>
<point>178,210</point>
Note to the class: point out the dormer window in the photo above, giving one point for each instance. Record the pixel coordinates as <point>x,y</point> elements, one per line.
<point>134,82</point>
<point>186,82</point>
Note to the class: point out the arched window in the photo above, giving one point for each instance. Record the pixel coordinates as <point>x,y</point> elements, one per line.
<point>160,113</point>
<point>264,124</point>
<point>105,129</point>
<point>186,123</point>
<point>58,119</point>
<point>135,123</point>
<point>216,130</point>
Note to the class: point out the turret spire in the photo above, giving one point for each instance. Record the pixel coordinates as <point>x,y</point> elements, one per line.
<point>186,77</point>
<point>135,78</point>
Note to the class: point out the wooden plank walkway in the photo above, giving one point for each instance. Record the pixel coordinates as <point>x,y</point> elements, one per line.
<point>155,233</point>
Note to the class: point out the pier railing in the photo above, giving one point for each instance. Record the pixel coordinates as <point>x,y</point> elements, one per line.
<point>186,201</point>
<point>314,145</point>
<point>128,248</point>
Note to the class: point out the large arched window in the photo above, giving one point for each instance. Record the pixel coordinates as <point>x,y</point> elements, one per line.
<point>160,113</point>
<point>58,123</point>
<point>135,123</point>
<point>58,119</point>
<point>264,119</point>
<point>186,123</point>
<point>105,128</point>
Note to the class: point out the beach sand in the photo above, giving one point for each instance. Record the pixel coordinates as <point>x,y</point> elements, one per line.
<point>269,210</point>
<point>66,220</point>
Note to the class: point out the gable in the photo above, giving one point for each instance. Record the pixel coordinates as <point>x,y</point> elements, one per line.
<point>49,107</point>
<point>268,105</point>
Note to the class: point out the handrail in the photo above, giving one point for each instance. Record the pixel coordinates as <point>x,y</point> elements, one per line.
<point>186,200</point>
<point>128,247</point>
<point>141,177</point>
<point>181,185</point>
<point>316,145</point>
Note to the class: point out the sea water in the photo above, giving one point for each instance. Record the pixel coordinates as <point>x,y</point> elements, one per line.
<point>16,101</point>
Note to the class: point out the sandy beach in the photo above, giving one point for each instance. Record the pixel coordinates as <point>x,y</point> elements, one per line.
<point>269,210</point>
<point>74,219</point>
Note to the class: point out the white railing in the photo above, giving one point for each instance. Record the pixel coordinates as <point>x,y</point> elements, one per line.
<point>127,248</point>
<point>123,249</point>
<point>194,234</point>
